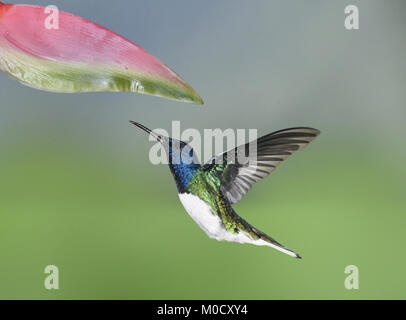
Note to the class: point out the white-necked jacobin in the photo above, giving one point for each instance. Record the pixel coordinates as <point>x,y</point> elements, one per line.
<point>208,191</point>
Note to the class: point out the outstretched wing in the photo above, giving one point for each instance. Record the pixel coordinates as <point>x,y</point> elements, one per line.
<point>236,177</point>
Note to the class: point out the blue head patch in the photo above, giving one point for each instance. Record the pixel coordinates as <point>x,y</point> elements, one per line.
<point>182,162</point>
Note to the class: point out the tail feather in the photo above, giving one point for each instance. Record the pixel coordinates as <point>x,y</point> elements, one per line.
<point>263,239</point>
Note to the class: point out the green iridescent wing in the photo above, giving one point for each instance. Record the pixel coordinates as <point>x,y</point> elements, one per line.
<point>235,171</point>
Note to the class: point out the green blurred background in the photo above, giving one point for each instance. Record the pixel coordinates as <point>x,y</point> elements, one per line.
<point>77,189</point>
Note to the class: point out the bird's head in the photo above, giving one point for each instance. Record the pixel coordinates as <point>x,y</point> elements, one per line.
<point>177,151</point>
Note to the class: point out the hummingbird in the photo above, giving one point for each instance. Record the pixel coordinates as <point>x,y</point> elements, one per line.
<point>208,191</point>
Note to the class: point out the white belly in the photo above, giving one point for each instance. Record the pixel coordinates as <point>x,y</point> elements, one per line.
<point>210,223</point>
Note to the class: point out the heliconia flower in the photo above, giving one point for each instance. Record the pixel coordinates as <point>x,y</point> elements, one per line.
<point>67,53</point>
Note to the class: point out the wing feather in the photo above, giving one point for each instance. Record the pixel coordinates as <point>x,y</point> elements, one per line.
<point>236,179</point>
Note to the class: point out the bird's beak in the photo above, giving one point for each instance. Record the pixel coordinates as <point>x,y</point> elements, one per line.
<point>149,131</point>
